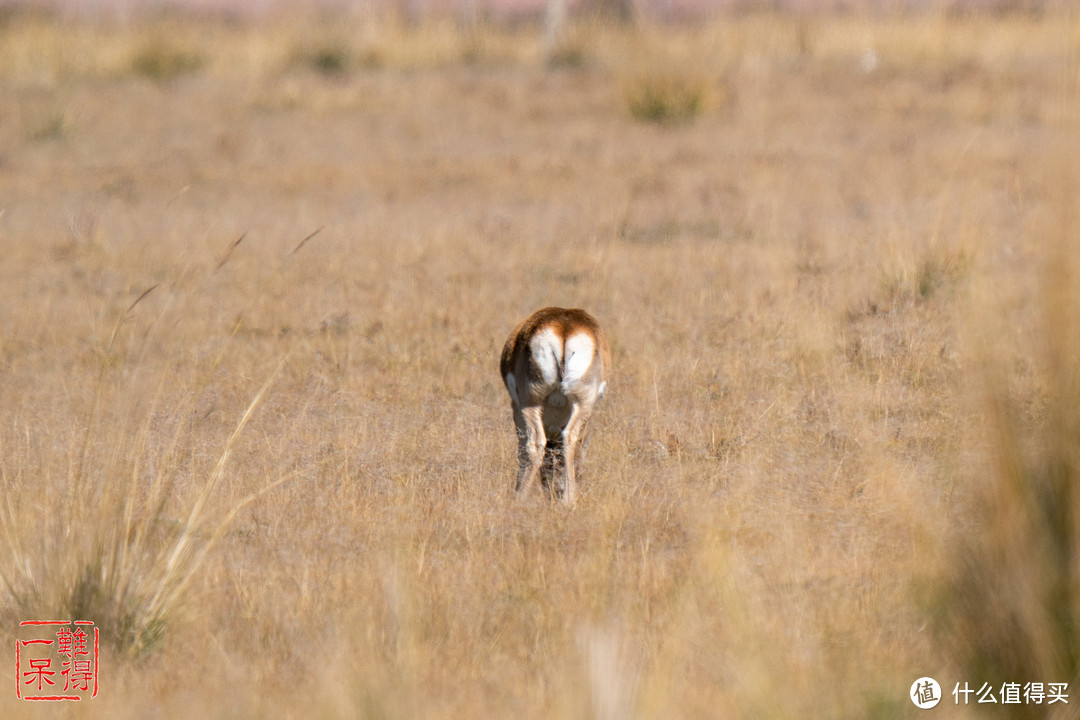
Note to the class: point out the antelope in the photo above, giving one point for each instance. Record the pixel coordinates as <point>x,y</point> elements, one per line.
<point>555,366</point>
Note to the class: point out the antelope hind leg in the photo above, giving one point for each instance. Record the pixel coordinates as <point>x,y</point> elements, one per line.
<point>530,449</point>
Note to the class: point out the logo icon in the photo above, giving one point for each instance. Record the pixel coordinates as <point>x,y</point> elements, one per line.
<point>925,693</point>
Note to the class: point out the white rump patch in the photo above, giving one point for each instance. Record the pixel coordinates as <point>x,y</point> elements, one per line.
<point>580,350</point>
<point>546,350</point>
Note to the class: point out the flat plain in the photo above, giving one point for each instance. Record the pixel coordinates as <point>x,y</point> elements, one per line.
<point>254,279</point>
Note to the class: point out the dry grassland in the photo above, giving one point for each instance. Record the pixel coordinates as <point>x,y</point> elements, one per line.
<point>830,279</point>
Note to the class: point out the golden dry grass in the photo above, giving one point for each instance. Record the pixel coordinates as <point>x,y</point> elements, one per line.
<point>803,284</point>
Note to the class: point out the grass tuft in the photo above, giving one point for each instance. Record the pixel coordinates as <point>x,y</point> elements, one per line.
<point>934,273</point>
<point>569,55</point>
<point>164,61</point>
<point>331,59</point>
<point>123,560</point>
<point>666,97</point>
<point>55,125</point>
